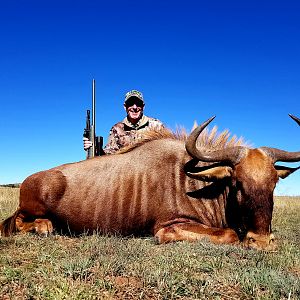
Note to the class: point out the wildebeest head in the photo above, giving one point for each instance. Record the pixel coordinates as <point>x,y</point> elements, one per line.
<point>253,176</point>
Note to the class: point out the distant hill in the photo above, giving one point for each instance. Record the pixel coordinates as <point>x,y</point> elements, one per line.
<point>12,185</point>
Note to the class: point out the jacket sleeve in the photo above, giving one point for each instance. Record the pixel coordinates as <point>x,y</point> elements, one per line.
<point>113,143</point>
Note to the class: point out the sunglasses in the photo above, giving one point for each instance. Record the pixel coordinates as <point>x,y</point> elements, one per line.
<point>134,100</point>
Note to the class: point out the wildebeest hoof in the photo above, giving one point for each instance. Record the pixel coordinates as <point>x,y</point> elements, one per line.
<point>264,242</point>
<point>43,227</point>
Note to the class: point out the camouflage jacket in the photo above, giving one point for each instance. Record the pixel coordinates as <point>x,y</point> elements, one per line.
<point>123,133</point>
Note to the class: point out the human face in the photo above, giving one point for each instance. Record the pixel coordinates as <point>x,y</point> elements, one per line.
<point>134,111</point>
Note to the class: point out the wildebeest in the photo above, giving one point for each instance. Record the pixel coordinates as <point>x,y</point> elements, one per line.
<point>171,188</point>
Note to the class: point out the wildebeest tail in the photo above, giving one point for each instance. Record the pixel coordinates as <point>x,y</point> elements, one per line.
<point>8,226</point>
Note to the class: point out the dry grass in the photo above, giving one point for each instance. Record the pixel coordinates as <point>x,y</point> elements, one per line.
<point>101,267</point>
<point>8,201</point>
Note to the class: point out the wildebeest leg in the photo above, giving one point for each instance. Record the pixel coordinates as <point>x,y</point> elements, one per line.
<point>37,193</point>
<point>195,231</point>
<point>40,226</point>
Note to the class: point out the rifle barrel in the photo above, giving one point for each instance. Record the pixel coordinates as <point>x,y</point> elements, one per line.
<point>94,103</point>
<point>94,114</point>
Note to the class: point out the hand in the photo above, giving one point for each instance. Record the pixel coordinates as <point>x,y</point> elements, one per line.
<point>87,143</point>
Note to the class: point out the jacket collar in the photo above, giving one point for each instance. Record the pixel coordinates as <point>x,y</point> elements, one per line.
<point>141,123</point>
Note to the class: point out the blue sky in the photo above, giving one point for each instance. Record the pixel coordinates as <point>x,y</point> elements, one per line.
<point>238,60</point>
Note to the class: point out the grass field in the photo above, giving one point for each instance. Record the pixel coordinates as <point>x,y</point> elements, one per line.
<point>102,267</point>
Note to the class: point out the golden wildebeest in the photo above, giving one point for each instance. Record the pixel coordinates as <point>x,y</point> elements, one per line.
<point>172,188</point>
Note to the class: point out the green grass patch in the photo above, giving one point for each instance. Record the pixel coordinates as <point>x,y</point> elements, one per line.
<point>103,267</point>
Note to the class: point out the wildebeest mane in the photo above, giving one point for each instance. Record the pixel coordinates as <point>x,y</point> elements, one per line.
<point>209,139</point>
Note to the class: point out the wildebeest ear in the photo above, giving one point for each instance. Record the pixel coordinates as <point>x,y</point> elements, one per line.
<point>284,172</point>
<point>212,174</point>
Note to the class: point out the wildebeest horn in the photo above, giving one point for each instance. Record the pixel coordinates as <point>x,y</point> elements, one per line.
<point>295,119</point>
<point>231,155</point>
<point>281,155</point>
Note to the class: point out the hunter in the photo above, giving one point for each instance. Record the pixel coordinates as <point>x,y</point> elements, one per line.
<point>132,127</point>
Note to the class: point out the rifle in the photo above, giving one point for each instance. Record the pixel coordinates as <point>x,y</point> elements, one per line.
<point>90,129</point>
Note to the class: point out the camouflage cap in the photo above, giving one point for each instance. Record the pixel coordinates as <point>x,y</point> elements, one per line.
<point>134,93</point>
